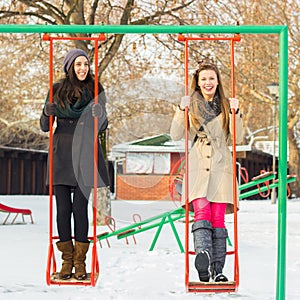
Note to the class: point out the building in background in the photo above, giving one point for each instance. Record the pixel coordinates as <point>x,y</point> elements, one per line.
<point>145,169</point>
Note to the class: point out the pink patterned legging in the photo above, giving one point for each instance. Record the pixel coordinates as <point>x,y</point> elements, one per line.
<point>210,211</point>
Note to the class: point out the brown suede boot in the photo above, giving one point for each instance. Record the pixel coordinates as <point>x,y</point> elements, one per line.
<point>80,251</point>
<point>67,255</point>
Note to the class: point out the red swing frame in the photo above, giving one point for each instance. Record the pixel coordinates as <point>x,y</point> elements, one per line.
<point>211,287</point>
<point>51,262</point>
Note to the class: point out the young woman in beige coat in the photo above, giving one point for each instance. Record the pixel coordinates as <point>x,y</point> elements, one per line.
<point>210,166</point>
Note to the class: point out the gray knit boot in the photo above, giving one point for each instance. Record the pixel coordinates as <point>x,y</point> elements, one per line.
<point>219,237</point>
<point>202,232</point>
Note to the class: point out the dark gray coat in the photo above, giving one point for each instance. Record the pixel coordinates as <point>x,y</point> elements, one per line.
<point>73,150</point>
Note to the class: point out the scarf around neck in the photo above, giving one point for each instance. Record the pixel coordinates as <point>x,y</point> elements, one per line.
<point>206,110</point>
<point>72,110</point>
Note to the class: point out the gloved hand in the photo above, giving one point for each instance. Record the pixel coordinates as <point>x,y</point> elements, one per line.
<point>185,101</point>
<point>234,103</point>
<point>96,110</point>
<point>50,109</point>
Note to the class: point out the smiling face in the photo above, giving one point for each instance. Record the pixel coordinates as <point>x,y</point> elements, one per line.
<point>81,67</point>
<point>208,83</point>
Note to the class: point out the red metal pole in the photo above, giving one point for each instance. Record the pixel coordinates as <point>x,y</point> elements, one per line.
<point>96,137</point>
<point>51,141</point>
<point>210,38</point>
<point>186,124</point>
<point>50,248</point>
<point>236,261</point>
<point>63,38</point>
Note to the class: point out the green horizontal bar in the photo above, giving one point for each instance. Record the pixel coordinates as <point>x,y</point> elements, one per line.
<point>257,181</point>
<point>264,188</point>
<point>139,29</point>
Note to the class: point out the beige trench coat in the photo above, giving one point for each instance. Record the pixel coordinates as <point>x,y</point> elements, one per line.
<point>210,160</point>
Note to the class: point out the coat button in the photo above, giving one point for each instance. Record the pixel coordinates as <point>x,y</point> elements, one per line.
<point>207,156</point>
<point>71,121</point>
<point>207,169</point>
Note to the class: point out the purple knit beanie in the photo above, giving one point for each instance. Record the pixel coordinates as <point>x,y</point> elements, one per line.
<point>71,56</point>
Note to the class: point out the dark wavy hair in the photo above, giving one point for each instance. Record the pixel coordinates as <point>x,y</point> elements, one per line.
<point>71,88</point>
<point>195,88</point>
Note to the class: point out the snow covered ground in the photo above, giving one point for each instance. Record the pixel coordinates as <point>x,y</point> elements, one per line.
<point>132,271</point>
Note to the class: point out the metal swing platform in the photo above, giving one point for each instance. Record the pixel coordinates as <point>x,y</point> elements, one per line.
<point>52,277</point>
<point>210,287</point>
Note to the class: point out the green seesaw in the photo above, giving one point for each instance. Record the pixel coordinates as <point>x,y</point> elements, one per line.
<point>256,181</point>
<point>154,222</point>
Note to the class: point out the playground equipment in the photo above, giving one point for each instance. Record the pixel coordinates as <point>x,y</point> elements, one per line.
<point>265,177</point>
<point>230,286</point>
<point>281,30</point>
<point>13,210</point>
<point>154,222</point>
<point>111,224</point>
<point>51,274</point>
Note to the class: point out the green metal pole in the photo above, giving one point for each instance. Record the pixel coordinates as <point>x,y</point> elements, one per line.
<point>176,234</point>
<point>157,233</point>
<point>283,101</point>
<point>139,29</point>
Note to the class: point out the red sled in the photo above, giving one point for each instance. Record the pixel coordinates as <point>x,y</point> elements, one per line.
<point>16,211</point>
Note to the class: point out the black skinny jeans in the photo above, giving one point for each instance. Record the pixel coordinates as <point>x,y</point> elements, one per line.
<point>65,207</point>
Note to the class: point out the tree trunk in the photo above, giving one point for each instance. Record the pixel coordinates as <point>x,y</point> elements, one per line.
<point>103,204</point>
<point>103,194</point>
<point>294,162</point>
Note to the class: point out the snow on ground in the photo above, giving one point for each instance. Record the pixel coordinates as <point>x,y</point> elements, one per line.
<point>132,271</point>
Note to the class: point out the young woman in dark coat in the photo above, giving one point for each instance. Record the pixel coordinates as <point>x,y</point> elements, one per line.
<point>74,110</point>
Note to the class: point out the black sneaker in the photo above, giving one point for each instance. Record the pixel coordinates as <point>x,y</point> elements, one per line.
<point>202,265</point>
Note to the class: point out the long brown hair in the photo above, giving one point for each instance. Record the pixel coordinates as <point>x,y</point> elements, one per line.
<point>195,88</point>
<point>70,87</point>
